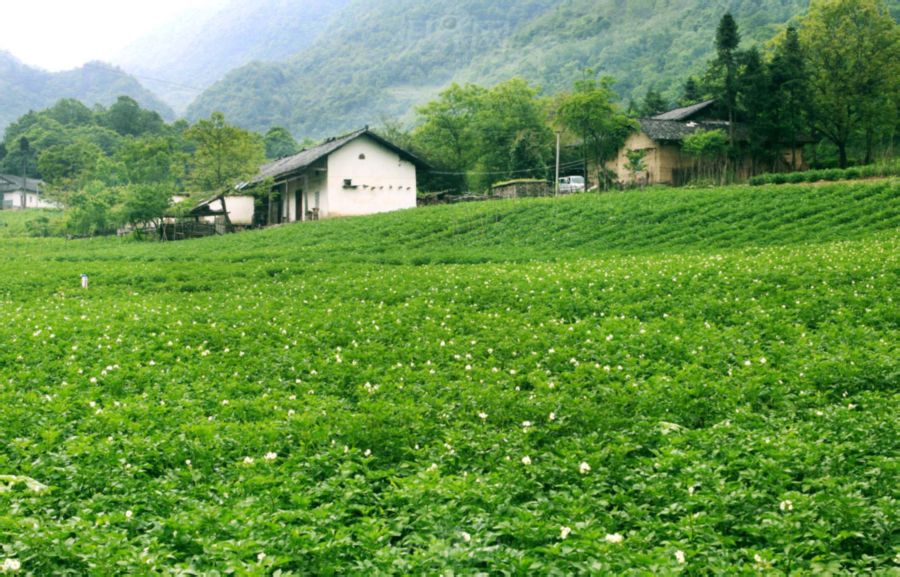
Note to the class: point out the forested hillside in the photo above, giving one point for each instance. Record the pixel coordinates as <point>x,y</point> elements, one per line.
<point>381,58</point>
<point>23,88</point>
<point>182,59</point>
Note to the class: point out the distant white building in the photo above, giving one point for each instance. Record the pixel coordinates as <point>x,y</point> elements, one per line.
<point>17,193</point>
<point>356,174</point>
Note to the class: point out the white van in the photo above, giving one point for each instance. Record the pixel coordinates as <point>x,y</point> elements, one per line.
<point>569,184</point>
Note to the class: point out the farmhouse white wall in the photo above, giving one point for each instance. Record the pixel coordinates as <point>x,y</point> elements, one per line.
<point>382,181</point>
<point>14,200</point>
<point>240,209</point>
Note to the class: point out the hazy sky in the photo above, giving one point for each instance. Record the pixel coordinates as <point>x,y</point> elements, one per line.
<point>64,34</point>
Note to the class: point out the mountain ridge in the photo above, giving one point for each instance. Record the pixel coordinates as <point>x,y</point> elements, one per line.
<point>24,88</point>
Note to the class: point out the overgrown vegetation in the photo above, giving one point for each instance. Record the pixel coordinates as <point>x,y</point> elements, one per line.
<point>675,381</point>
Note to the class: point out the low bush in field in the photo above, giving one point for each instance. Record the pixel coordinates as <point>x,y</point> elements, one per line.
<point>869,171</point>
<point>653,382</point>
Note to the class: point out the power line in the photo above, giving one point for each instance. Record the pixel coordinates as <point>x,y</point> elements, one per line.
<point>523,171</point>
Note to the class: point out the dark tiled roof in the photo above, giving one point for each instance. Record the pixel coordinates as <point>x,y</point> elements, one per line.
<point>296,164</point>
<point>10,183</point>
<point>674,130</point>
<point>686,112</point>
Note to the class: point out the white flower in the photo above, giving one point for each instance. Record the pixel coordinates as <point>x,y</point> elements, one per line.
<point>224,402</point>
<point>368,453</point>
<point>526,424</point>
<point>564,532</point>
<point>613,538</point>
<point>270,456</point>
<point>260,556</point>
<point>786,505</point>
<point>679,556</point>
<point>762,360</point>
<point>10,565</point>
<point>584,468</point>
<point>187,462</point>
<point>482,415</point>
<point>465,536</point>
<point>433,467</point>
<point>748,362</point>
<point>128,514</point>
<point>526,460</point>
<point>552,416</point>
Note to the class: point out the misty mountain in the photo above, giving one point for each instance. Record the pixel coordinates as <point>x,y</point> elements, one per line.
<point>379,58</point>
<point>23,88</point>
<point>185,57</point>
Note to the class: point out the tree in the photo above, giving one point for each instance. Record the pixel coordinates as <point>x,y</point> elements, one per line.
<point>152,160</point>
<point>591,113</point>
<point>709,149</point>
<point>224,153</point>
<point>280,143</point>
<point>635,163</point>
<point>789,85</point>
<point>127,118</point>
<point>512,134</point>
<point>143,203</point>
<point>755,107</point>
<point>69,166</point>
<point>852,50</point>
<point>723,72</point>
<point>447,132</point>
<point>653,104</point>
<point>691,93</point>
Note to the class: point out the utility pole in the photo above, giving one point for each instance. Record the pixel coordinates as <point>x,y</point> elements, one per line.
<point>556,185</point>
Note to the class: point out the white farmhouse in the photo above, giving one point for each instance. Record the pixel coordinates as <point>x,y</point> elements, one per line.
<point>17,193</point>
<point>356,174</point>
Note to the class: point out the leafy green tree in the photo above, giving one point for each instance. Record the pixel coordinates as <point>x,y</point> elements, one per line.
<point>590,113</point>
<point>280,143</point>
<point>852,50</point>
<point>512,135</point>
<point>635,163</point>
<point>224,153</point>
<point>143,204</point>
<point>709,149</point>
<point>447,133</point>
<point>152,160</point>
<point>70,112</point>
<point>68,166</point>
<point>127,118</point>
<point>91,209</point>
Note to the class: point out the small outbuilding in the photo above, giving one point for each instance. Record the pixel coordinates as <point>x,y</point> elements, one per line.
<point>662,137</point>
<point>17,193</point>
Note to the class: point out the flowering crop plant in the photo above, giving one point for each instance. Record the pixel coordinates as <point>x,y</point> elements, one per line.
<point>652,382</point>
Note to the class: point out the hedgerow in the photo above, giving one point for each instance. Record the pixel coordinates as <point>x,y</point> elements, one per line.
<point>592,385</point>
<point>830,174</point>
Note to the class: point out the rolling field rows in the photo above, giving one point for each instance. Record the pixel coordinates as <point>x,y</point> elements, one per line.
<point>662,382</point>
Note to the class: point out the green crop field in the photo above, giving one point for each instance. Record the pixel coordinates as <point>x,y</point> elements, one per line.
<point>697,382</point>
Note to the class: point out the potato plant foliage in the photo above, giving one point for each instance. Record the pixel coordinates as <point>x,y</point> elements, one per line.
<point>697,382</point>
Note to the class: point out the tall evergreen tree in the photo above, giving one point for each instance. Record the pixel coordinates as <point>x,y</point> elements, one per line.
<point>653,104</point>
<point>691,93</point>
<point>790,90</point>
<point>728,38</point>
<point>754,103</point>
